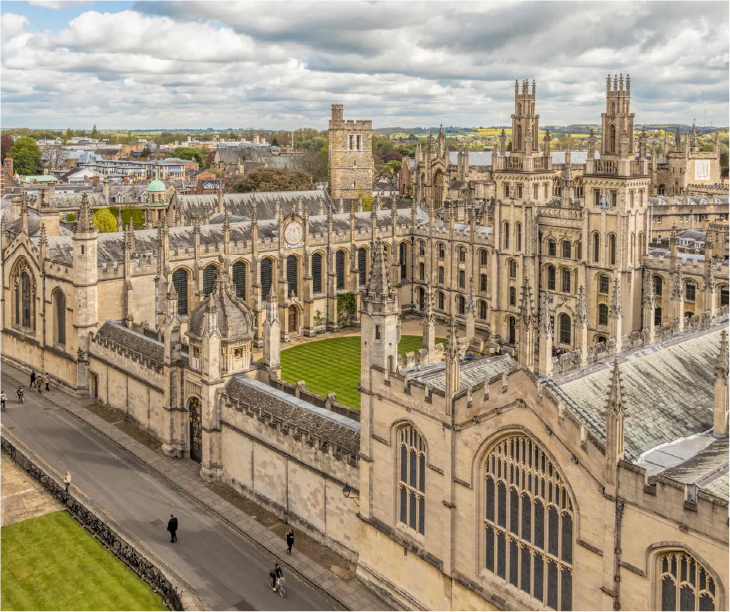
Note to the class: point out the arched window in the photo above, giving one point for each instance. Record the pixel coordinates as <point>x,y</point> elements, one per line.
<point>59,323</point>
<point>613,108</point>
<point>658,285</point>
<point>462,279</point>
<point>210,273</point>
<point>512,323</point>
<point>506,235</point>
<point>26,295</point>
<point>482,310</point>
<point>462,253</point>
<point>657,316</point>
<point>482,257</point>
<point>421,247</point>
<point>441,275</point>
<point>483,283</point>
<point>512,296</point>
<point>441,301</point>
<point>551,278</point>
<point>564,329</point>
<point>660,189</point>
<point>512,269</point>
<point>528,522</point>
<point>552,247</point>
<point>579,250</point>
<point>421,299</point>
<point>267,272</point>
<point>557,187</point>
<point>421,271</point>
<point>442,250</point>
<point>689,294</point>
<point>724,298</point>
<point>612,249</point>
<point>403,260</point>
<point>518,236</point>
<point>596,246</point>
<point>518,138</point>
<point>412,479</point>
<point>612,138</point>
<point>317,273</point>
<point>603,314</point>
<point>683,583</point>
<point>566,249</point>
<point>461,303</point>
<point>340,269</point>
<point>180,282</point>
<point>239,279</point>
<point>362,266</point>
<point>292,274</point>
<point>566,281</point>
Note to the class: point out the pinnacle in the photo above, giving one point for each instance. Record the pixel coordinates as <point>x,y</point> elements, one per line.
<point>615,394</point>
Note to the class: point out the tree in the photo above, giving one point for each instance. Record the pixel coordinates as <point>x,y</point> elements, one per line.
<point>6,145</point>
<point>271,179</point>
<point>54,157</point>
<point>389,172</point>
<point>189,153</point>
<point>26,156</point>
<point>67,135</point>
<point>104,221</point>
<point>275,143</point>
<point>94,132</point>
<point>146,152</point>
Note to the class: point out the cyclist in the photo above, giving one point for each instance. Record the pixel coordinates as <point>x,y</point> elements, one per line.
<point>275,574</point>
<point>20,394</point>
<point>3,399</point>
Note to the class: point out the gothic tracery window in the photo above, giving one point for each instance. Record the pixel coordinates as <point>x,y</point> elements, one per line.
<point>684,583</point>
<point>210,273</point>
<point>412,479</point>
<point>180,282</point>
<point>528,522</point>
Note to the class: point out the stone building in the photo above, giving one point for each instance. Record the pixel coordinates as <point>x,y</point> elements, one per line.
<point>577,459</point>
<point>350,155</point>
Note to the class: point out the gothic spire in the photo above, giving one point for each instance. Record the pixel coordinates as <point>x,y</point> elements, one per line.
<point>616,306</point>
<point>581,307</point>
<point>83,223</point>
<point>615,393</point>
<point>470,305</point>
<point>379,284</point>
<point>526,304</point>
<point>723,363</point>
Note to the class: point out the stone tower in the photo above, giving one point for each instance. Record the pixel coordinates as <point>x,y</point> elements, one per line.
<point>617,121</point>
<point>85,283</point>
<point>350,155</point>
<point>524,120</point>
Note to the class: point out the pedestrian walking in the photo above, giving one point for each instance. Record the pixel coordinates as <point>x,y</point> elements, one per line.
<point>39,384</point>
<point>67,481</point>
<point>32,378</point>
<point>47,380</point>
<point>3,399</point>
<point>172,528</point>
<point>289,540</point>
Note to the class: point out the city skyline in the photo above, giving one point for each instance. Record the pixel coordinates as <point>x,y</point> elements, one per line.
<point>166,65</point>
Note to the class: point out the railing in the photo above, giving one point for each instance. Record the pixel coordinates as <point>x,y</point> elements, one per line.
<point>606,167</point>
<point>635,167</point>
<point>514,163</point>
<point>89,517</point>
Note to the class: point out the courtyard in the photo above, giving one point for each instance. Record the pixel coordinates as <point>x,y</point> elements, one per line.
<point>333,365</point>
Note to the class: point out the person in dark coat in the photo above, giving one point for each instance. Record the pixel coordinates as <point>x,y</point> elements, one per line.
<point>289,540</point>
<point>32,378</point>
<point>172,528</point>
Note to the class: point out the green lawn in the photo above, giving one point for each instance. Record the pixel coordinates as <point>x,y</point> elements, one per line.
<point>52,563</point>
<point>333,365</point>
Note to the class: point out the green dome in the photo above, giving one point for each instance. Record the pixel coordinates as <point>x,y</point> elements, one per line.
<point>156,185</point>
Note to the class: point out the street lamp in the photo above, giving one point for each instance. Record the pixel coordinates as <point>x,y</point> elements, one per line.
<point>349,492</point>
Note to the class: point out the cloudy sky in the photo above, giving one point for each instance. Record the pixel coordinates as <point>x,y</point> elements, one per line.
<point>280,65</point>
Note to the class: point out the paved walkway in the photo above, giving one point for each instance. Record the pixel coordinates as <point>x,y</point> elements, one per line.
<point>22,497</point>
<point>224,553</point>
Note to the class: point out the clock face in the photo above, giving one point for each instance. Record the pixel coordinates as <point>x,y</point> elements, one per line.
<point>293,233</point>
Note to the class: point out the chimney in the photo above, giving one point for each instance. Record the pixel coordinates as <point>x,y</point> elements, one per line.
<point>9,165</point>
<point>95,181</point>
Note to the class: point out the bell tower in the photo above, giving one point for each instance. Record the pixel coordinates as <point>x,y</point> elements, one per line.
<point>525,123</point>
<point>617,122</point>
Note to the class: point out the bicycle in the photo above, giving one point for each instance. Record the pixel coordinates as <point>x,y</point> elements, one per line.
<point>280,587</point>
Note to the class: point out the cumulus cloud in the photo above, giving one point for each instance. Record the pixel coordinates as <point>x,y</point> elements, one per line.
<point>281,65</point>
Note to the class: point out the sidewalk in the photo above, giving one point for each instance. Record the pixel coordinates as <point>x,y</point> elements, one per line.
<point>184,474</point>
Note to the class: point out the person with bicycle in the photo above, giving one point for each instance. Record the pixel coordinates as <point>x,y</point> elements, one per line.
<point>20,394</point>
<point>275,574</point>
<point>3,399</point>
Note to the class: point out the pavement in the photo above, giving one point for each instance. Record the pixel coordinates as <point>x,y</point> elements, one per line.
<point>22,497</point>
<point>222,553</point>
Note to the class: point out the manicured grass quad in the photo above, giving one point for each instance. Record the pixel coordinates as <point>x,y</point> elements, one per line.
<point>52,563</point>
<point>333,365</point>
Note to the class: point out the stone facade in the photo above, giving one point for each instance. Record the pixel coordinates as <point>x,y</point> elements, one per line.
<point>350,156</point>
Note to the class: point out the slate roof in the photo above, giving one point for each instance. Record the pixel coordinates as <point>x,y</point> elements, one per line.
<point>235,319</point>
<point>668,390</point>
<point>471,373</point>
<point>327,425</point>
<point>240,203</point>
<point>484,158</point>
<point>34,226</point>
<point>113,331</point>
<point>708,468</point>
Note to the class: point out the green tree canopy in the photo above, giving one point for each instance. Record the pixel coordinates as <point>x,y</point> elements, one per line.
<point>6,145</point>
<point>94,132</point>
<point>271,179</point>
<point>189,153</point>
<point>104,221</point>
<point>26,156</point>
